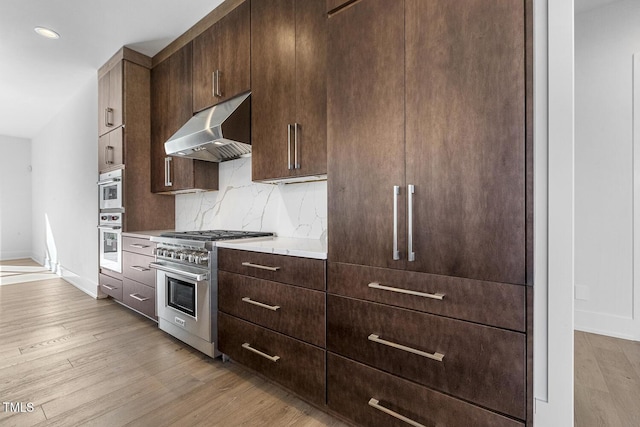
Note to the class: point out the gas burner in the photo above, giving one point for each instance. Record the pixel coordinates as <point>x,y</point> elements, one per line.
<point>213,235</point>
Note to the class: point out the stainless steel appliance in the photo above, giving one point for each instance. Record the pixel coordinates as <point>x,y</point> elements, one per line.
<point>220,133</point>
<point>110,229</point>
<point>110,190</point>
<point>187,284</point>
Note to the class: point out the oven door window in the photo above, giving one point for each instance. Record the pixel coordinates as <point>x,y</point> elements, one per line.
<point>110,192</point>
<point>110,246</point>
<point>181,296</point>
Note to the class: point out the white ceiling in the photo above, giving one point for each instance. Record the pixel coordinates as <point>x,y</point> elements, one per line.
<point>38,76</point>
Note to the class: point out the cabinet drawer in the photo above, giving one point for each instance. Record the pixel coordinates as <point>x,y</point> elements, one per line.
<point>111,286</point>
<point>352,385</point>
<point>288,309</point>
<point>138,245</point>
<point>482,364</point>
<point>490,303</point>
<point>139,297</point>
<point>299,366</point>
<point>136,267</point>
<point>306,272</point>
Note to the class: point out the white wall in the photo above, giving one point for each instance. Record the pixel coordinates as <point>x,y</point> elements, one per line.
<point>64,219</point>
<point>606,39</point>
<point>554,246</point>
<point>292,210</point>
<point>15,198</point>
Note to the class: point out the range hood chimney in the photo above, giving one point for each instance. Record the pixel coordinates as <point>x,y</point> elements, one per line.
<point>222,132</point>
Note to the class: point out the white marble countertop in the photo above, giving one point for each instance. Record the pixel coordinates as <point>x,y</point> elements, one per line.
<point>305,248</point>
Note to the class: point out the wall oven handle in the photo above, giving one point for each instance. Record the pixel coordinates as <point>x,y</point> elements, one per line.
<point>109,227</point>
<point>138,268</point>
<point>396,193</point>
<point>108,181</point>
<point>434,356</point>
<point>247,346</point>
<point>137,297</point>
<point>261,267</point>
<point>376,285</point>
<point>260,304</point>
<point>375,403</point>
<point>193,276</point>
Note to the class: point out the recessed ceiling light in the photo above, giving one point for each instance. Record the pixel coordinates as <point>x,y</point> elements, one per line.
<point>46,32</point>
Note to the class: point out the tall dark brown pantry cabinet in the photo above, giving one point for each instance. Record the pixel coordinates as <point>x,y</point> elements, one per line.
<point>429,171</point>
<point>288,89</point>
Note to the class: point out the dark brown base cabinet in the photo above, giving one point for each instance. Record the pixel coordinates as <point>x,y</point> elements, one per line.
<point>272,318</point>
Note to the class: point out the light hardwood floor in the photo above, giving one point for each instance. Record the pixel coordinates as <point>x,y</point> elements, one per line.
<point>81,361</point>
<point>87,362</point>
<point>607,381</point>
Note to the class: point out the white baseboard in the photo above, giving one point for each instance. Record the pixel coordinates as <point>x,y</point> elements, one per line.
<point>11,255</point>
<point>85,285</point>
<point>607,324</point>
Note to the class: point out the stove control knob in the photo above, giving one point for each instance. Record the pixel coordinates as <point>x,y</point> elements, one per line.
<point>104,218</point>
<point>203,259</point>
<point>182,256</point>
<point>114,217</point>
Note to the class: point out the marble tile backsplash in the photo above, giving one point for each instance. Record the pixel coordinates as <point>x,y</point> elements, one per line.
<point>292,210</point>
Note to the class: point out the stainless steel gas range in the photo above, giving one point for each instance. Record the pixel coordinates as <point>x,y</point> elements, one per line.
<point>186,267</point>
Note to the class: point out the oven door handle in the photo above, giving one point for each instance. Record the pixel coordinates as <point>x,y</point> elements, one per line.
<point>109,227</point>
<point>193,276</point>
<point>109,181</point>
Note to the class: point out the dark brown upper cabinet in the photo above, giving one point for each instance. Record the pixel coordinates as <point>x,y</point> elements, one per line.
<point>288,85</point>
<point>222,59</point>
<point>110,150</point>
<point>110,99</point>
<point>171,107</point>
<point>127,146</point>
<point>426,131</point>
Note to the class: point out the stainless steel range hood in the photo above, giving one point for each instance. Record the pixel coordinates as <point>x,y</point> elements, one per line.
<point>222,132</point>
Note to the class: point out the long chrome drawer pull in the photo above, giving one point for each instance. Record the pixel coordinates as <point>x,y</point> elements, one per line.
<point>377,285</point>
<point>247,346</point>
<point>111,288</point>
<point>374,403</point>
<point>261,267</point>
<point>138,268</point>
<point>396,252</point>
<point>411,255</point>
<point>138,246</point>
<point>434,356</point>
<point>259,304</point>
<point>136,296</point>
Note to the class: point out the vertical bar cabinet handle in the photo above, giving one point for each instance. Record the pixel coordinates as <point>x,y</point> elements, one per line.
<point>396,252</point>
<point>296,158</point>
<point>108,112</point>
<point>411,255</point>
<point>218,91</point>
<point>213,84</point>
<point>167,172</point>
<point>290,166</point>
